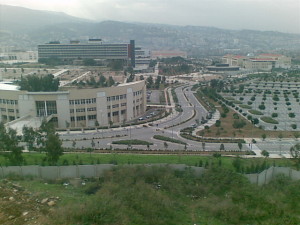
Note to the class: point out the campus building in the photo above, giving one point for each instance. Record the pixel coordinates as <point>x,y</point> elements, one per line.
<point>74,107</point>
<point>94,49</point>
<point>261,62</point>
<point>19,56</point>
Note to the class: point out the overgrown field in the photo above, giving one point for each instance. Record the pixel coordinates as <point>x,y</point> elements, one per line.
<point>159,195</point>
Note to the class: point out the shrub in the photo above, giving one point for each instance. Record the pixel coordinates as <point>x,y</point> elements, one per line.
<point>292,115</point>
<point>274,115</point>
<point>294,126</point>
<point>269,120</point>
<point>262,107</point>
<point>237,124</point>
<point>255,112</point>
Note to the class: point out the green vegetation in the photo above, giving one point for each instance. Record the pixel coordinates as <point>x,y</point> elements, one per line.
<point>236,102</point>
<point>44,140</point>
<point>132,142</point>
<point>245,106</point>
<point>159,195</point>
<point>267,119</point>
<point>255,112</point>
<point>164,138</point>
<point>36,83</point>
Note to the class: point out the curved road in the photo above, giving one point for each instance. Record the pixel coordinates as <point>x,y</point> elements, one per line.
<point>170,127</point>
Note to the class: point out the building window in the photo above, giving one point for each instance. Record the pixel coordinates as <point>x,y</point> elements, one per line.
<point>123,111</point>
<point>71,110</point>
<point>80,110</point>
<point>108,114</point>
<point>79,118</point>
<point>115,106</point>
<point>91,117</point>
<point>108,107</point>
<point>91,109</point>
<point>116,113</point>
<point>123,104</point>
<point>45,108</point>
<point>11,110</point>
<point>108,99</point>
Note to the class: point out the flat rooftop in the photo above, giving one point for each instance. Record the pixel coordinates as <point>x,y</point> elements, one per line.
<point>8,87</point>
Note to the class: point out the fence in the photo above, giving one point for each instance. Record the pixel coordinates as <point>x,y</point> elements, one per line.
<point>267,175</point>
<point>89,171</point>
<point>77,171</point>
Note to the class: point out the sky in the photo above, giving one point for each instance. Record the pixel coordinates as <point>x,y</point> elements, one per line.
<point>266,15</point>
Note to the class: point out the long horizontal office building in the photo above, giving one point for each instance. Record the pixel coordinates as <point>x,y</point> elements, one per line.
<point>94,49</point>
<point>75,107</point>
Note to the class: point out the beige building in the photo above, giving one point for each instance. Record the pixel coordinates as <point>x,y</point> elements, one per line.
<point>263,62</point>
<point>75,107</point>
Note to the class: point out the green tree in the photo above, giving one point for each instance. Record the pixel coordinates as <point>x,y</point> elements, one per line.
<point>265,153</point>
<point>149,82</point>
<point>263,136</point>
<point>93,143</point>
<point>36,83</point>
<point>166,145</point>
<point>29,136</point>
<point>53,148</point>
<point>295,153</point>
<point>102,81</point>
<point>9,142</point>
<point>74,144</point>
<point>110,81</point>
<point>296,135</point>
<point>240,145</point>
<point>222,147</point>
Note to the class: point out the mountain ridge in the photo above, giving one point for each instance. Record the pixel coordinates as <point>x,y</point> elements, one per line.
<point>33,27</point>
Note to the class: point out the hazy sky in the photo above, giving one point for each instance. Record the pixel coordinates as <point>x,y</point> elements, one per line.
<point>278,15</point>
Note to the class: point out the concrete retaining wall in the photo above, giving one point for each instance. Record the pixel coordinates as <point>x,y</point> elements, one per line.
<point>79,171</point>
<point>267,175</point>
<point>88,171</point>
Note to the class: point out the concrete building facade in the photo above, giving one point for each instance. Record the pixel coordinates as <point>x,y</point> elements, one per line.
<point>73,107</point>
<point>262,62</point>
<point>94,49</point>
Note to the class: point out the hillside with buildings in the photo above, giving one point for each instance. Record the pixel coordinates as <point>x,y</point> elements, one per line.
<point>43,26</point>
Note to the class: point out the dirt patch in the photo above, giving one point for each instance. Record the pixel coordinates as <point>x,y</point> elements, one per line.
<point>19,206</point>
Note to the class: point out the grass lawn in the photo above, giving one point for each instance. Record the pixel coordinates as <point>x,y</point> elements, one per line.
<point>121,159</point>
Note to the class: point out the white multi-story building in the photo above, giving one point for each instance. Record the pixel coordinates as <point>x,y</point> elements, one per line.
<point>75,107</point>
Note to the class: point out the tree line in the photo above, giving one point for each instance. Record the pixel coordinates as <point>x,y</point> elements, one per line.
<point>36,83</point>
<point>44,139</point>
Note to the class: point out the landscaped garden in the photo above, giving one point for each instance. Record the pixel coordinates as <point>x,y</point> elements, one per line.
<point>268,101</point>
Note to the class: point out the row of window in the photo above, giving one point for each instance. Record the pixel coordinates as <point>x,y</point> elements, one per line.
<point>116,113</point>
<point>83,110</point>
<point>82,101</point>
<point>117,97</point>
<point>9,110</point>
<point>137,93</point>
<point>9,102</point>
<point>80,118</point>
<point>117,105</point>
